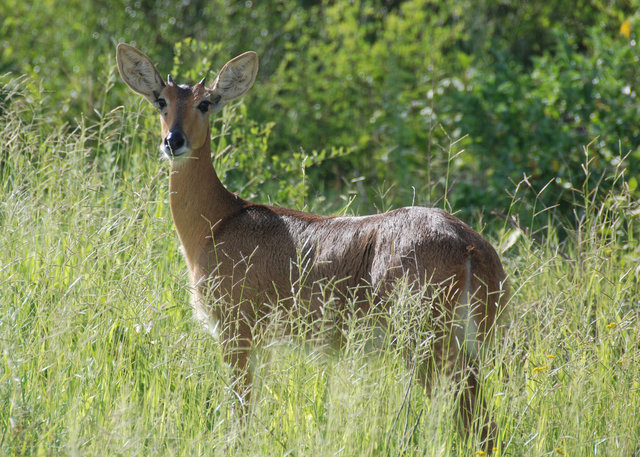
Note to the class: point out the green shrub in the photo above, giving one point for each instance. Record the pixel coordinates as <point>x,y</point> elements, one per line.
<point>387,102</point>
<point>536,122</point>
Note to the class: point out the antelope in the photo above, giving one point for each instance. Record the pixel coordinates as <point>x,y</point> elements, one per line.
<point>242,256</point>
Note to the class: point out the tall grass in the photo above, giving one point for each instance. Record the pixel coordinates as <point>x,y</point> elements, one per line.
<point>100,354</point>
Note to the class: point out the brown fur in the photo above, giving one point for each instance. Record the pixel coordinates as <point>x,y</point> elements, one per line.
<point>245,258</point>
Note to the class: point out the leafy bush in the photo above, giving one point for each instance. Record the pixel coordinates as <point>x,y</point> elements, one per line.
<point>536,122</point>
<point>391,101</point>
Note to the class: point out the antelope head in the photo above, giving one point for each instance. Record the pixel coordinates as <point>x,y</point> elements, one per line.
<point>184,109</point>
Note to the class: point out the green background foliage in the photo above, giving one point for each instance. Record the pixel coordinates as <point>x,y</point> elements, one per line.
<point>381,95</point>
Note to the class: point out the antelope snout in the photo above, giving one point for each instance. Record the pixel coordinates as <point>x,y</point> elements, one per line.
<point>174,144</point>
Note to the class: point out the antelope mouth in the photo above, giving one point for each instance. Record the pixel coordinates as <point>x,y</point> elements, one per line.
<point>171,154</point>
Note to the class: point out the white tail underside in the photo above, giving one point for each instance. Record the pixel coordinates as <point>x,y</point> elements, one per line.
<point>466,329</point>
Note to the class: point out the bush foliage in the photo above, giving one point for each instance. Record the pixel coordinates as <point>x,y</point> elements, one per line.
<point>372,98</point>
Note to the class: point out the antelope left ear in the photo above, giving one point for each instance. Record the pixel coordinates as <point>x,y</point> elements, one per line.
<point>138,72</point>
<point>236,77</point>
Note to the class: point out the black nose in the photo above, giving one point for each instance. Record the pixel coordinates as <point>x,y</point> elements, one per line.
<point>174,141</point>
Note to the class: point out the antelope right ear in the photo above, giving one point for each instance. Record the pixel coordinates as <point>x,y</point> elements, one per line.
<point>236,77</point>
<point>137,70</point>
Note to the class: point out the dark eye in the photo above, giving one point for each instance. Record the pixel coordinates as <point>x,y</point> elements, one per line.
<point>203,106</point>
<point>161,103</point>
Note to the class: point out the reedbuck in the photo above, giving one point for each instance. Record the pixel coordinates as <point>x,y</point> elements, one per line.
<point>247,259</point>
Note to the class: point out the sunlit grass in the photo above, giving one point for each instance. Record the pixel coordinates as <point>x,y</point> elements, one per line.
<point>100,354</point>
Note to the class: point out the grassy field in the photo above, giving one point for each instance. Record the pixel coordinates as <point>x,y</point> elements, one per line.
<point>101,356</point>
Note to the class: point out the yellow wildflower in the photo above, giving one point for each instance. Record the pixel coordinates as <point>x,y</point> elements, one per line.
<point>612,325</point>
<point>625,28</point>
<point>540,368</point>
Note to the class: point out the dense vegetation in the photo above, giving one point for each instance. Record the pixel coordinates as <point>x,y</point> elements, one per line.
<point>378,96</point>
<point>522,116</point>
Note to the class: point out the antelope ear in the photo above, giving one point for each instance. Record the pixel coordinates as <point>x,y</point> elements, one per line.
<point>236,77</point>
<point>138,72</point>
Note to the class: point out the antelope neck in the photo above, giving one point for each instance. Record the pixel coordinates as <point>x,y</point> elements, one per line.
<point>198,200</point>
